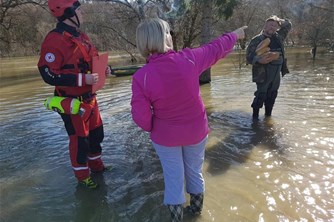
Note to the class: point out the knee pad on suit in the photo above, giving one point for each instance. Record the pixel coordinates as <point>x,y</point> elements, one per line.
<point>95,139</point>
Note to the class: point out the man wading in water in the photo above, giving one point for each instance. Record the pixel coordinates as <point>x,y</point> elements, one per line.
<point>266,53</point>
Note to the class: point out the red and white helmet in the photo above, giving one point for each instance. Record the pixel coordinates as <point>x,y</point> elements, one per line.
<point>63,9</point>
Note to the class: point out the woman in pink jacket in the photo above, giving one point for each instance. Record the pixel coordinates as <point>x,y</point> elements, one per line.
<point>166,102</point>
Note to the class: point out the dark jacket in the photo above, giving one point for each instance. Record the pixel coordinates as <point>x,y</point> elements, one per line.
<point>259,70</point>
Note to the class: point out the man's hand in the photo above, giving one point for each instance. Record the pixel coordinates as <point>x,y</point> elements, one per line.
<point>108,71</point>
<point>268,57</point>
<point>264,60</point>
<point>92,79</point>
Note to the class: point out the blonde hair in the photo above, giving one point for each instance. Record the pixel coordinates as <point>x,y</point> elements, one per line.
<point>151,36</point>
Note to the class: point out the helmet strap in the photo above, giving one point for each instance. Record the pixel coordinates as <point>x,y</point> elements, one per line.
<point>77,23</point>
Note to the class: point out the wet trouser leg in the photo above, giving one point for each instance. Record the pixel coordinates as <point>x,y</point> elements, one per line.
<point>85,148</point>
<point>266,92</point>
<point>96,135</point>
<point>193,157</point>
<point>272,91</point>
<point>179,164</point>
<point>270,101</point>
<point>258,102</point>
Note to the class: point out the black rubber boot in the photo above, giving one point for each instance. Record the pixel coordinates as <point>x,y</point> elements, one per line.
<point>268,110</point>
<point>176,212</point>
<point>256,113</point>
<point>196,204</point>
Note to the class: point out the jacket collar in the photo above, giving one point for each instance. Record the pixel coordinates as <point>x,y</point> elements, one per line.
<point>155,56</point>
<point>70,29</point>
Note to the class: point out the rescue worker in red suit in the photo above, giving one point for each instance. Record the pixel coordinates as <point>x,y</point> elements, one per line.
<point>66,62</point>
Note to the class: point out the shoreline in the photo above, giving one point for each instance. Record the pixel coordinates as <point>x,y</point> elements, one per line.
<point>12,68</point>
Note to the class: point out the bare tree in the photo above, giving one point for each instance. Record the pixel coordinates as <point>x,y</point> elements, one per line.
<point>112,23</point>
<point>206,36</point>
<point>17,19</point>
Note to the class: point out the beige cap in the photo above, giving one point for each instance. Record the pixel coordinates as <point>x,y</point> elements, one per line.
<point>274,18</point>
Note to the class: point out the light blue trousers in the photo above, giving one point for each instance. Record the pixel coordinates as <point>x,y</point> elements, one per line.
<point>182,167</point>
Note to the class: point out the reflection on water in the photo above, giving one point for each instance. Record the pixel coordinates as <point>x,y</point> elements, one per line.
<point>276,169</point>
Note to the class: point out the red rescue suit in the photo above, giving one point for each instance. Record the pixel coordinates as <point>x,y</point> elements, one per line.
<point>66,56</point>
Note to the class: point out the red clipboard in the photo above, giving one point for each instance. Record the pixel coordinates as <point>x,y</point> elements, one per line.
<point>99,66</point>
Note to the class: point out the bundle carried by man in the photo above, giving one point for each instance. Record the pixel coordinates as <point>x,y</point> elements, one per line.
<point>263,50</point>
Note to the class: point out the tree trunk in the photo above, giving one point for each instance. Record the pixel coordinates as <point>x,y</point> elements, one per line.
<point>206,37</point>
<point>315,43</point>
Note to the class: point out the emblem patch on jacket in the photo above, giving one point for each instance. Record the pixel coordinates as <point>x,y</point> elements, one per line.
<point>50,57</point>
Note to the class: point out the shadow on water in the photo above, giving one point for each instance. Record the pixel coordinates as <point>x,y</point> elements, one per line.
<point>103,205</point>
<point>243,135</point>
<point>91,205</point>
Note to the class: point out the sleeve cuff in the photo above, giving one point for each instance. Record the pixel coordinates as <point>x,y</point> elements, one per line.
<point>81,79</point>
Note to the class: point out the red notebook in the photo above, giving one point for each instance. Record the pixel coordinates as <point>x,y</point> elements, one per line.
<point>99,66</point>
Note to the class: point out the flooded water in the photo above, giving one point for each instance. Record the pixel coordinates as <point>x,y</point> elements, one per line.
<point>276,169</point>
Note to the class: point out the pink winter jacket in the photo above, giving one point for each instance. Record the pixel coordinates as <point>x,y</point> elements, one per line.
<point>166,98</point>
